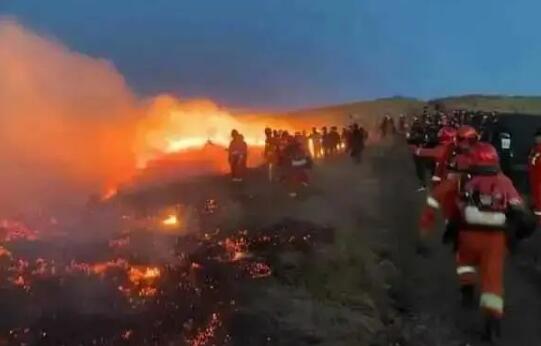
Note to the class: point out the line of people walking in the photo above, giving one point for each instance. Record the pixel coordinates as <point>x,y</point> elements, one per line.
<point>289,157</point>
<point>484,215</point>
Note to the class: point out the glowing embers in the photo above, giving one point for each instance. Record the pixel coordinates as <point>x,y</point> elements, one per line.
<point>11,230</point>
<point>207,334</point>
<point>186,297</point>
<point>236,248</point>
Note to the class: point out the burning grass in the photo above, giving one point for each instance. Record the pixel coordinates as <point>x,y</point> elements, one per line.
<point>120,295</point>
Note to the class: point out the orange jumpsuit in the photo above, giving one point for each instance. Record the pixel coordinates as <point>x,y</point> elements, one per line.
<point>534,173</point>
<point>481,250</point>
<point>297,164</point>
<point>440,155</point>
<point>238,154</point>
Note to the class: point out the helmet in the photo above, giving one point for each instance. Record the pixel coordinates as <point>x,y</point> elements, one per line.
<point>466,137</point>
<point>468,133</point>
<point>446,135</point>
<point>484,159</point>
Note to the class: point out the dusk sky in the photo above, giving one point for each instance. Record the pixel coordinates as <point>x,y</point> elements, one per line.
<point>279,54</point>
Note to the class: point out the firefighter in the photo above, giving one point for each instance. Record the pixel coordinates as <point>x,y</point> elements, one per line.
<point>534,173</point>
<point>415,138</point>
<point>305,141</point>
<point>297,162</point>
<point>315,137</point>
<point>441,153</point>
<point>486,210</point>
<point>325,141</point>
<point>334,140</point>
<point>238,154</point>
<point>466,138</point>
<point>402,124</point>
<point>271,152</point>
<point>356,143</point>
<point>345,139</point>
<point>387,126</point>
<point>269,145</point>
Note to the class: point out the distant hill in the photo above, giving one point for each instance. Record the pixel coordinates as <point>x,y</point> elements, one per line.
<point>498,103</point>
<point>370,112</point>
<point>365,112</point>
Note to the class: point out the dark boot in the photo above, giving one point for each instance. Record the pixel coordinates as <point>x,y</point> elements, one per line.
<point>492,331</point>
<point>468,296</point>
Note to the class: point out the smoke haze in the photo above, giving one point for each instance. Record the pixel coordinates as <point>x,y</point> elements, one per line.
<point>71,127</point>
<point>65,122</point>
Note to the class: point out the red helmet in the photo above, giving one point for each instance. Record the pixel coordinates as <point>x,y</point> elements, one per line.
<point>468,133</point>
<point>446,135</point>
<point>484,158</point>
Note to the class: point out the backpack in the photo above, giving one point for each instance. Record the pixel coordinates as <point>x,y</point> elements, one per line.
<point>484,203</point>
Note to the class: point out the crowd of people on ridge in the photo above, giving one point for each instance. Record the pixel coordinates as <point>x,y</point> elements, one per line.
<point>289,157</point>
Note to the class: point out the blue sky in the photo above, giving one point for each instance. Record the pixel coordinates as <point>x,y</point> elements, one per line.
<point>279,54</point>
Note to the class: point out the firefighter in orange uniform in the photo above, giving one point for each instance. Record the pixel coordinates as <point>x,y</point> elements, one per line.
<point>298,162</point>
<point>271,153</point>
<point>440,154</point>
<point>534,173</point>
<point>238,155</point>
<point>457,164</point>
<point>485,207</point>
<point>466,138</point>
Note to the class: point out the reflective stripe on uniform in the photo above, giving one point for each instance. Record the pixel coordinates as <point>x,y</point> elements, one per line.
<point>461,270</point>
<point>515,202</point>
<point>432,202</point>
<point>492,302</point>
<point>298,163</point>
<point>436,178</point>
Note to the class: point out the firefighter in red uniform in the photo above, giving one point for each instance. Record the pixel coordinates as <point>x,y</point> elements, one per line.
<point>442,196</point>
<point>485,208</point>
<point>534,173</point>
<point>271,152</point>
<point>298,161</point>
<point>466,138</point>
<point>440,154</point>
<point>238,155</point>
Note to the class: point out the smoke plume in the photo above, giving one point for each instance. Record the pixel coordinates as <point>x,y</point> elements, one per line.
<point>71,127</point>
<point>65,122</point>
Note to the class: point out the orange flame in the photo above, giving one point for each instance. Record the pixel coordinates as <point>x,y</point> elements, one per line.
<point>92,133</point>
<point>170,220</point>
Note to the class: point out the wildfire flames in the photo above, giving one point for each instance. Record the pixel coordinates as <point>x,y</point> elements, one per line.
<point>171,220</point>
<point>90,133</point>
<point>179,139</point>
